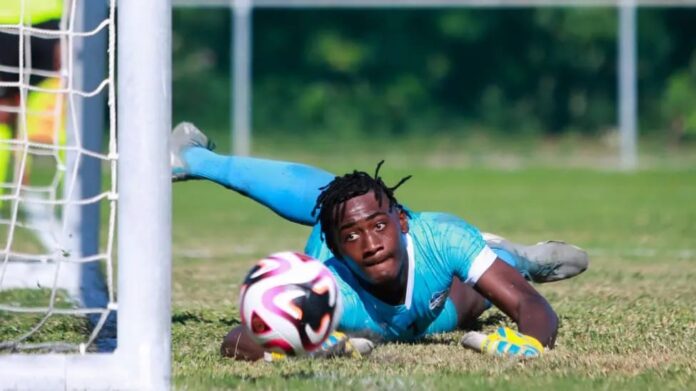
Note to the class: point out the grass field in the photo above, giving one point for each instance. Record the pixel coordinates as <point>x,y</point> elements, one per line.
<point>629,322</point>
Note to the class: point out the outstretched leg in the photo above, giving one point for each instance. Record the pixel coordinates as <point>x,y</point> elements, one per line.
<point>542,262</point>
<point>289,189</point>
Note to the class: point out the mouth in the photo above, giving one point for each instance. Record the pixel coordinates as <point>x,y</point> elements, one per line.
<point>375,262</point>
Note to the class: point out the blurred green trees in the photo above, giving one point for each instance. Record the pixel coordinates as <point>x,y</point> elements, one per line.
<point>393,71</point>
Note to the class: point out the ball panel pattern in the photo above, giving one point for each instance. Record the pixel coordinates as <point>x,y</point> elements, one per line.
<point>290,303</point>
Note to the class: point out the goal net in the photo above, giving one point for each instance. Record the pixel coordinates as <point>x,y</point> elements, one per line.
<point>69,188</point>
<point>48,272</point>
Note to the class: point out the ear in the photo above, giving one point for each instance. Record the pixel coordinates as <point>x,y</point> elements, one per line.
<point>403,222</point>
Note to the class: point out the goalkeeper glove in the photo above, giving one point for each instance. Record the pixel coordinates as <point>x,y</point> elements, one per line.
<point>338,344</point>
<point>504,342</point>
<point>341,345</point>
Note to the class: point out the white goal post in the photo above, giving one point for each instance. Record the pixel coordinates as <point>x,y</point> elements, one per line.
<point>142,358</point>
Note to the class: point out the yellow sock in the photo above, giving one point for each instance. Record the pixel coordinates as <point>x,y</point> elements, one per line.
<point>5,155</point>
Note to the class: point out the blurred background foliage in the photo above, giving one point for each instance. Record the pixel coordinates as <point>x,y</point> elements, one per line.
<point>537,71</point>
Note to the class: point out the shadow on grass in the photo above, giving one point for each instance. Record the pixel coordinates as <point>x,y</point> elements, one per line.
<point>206,316</point>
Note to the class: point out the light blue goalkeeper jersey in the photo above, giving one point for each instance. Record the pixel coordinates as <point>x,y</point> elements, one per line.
<point>440,247</point>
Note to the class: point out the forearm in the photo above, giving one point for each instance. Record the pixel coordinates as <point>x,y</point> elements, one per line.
<point>536,318</point>
<point>507,290</point>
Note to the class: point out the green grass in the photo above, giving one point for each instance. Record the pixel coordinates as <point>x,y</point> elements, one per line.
<point>64,328</point>
<point>628,322</point>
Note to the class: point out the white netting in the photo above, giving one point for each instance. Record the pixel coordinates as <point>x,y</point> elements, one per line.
<point>46,276</point>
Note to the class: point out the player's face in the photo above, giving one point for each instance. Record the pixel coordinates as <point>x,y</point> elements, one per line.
<point>373,238</point>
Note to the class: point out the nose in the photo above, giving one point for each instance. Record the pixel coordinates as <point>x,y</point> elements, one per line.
<point>371,245</point>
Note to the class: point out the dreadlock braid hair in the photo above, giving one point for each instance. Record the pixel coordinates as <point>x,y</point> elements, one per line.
<point>331,201</point>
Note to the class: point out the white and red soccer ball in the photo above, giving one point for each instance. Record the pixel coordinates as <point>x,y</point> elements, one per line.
<point>290,303</point>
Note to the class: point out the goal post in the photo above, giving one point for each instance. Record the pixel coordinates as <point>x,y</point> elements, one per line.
<point>141,178</point>
<point>144,177</point>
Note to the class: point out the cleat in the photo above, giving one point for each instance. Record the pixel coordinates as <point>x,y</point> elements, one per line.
<point>545,261</point>
<point>185,135</point>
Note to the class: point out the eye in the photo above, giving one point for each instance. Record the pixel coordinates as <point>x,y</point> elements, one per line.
<point>380,226</point>
<point>351,237</point>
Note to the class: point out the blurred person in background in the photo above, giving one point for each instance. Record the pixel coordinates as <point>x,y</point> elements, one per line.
<point>39,66</point>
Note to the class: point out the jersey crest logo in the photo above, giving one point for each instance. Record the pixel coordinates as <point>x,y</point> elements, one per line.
<point>437,300</point>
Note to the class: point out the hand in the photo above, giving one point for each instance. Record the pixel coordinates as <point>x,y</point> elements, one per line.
<point>337,345</point>
<point>341,345</point>
<point>504,342</point>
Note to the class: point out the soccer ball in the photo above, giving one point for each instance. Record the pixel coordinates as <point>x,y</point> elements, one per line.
<point>290,303</point>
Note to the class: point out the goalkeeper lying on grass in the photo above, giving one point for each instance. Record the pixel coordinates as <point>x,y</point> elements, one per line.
<point>402,274</point>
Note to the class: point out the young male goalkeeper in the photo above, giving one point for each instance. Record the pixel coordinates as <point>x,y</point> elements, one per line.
<point>402,274</point>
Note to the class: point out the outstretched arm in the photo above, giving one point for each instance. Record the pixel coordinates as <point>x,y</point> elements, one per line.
<point>509,291</point>
<point>239,345</point>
